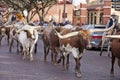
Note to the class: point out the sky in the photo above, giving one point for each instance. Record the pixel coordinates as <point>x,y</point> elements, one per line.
<point>77,2</point>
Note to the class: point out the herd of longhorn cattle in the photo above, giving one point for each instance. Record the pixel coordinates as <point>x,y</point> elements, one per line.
<point>60,41</point>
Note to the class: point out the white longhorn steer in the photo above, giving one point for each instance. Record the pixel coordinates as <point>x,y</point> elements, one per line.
<point>28,37</point>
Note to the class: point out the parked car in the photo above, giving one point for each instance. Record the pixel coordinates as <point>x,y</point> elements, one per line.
<point>96,37</point>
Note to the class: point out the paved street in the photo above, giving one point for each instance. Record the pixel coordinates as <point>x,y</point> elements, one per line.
<point>93,66</point>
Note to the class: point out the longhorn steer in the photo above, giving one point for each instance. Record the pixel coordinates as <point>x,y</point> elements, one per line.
<point>75,43</point>
<point>28,37</point>
<point>115,50</point>
<point>5,31</point>
<point>51,42</point>
<point>18,27</point>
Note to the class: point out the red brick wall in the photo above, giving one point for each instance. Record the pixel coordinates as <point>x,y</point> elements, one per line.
<point>82,18</point>
<point>83,14</point>
<point>106,11</point>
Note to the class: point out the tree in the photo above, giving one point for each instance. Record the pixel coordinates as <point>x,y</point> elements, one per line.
<point>31,6</point>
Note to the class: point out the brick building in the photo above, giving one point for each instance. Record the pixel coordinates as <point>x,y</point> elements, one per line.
<point>61,12</point>
<point>90,12</point>
<point>99,11</point>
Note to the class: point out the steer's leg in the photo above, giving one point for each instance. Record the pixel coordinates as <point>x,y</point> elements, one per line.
<point>24,54</point>
<point>112,66</point>
<point>67,63</point>
<point>18,44</point>
<point>46,51</point>
<point>77,67</point>
<point>52,56</point>
<point>11,44</point>
<point>55,57</point>
<point>1,39</point>
<point>31,50</point>
<point>35,50</point>
<point>8,37</point>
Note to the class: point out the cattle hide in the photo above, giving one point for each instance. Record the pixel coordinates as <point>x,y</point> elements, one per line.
<point>115,51</point>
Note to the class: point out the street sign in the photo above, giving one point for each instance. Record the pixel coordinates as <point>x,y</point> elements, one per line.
<point>116,5</point>
<point>115,0</point>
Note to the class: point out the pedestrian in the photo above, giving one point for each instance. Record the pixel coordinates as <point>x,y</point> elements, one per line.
<point>13,18</point>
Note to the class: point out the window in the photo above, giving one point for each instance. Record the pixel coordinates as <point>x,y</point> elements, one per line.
<point>77,13</point>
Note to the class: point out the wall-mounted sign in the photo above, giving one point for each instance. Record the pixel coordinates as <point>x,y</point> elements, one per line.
<point>115,0</point>
<point>116,4</point>
<point>77,13</point>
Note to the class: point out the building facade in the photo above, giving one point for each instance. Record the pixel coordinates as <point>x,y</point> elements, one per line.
<point>89,12</point>
<point>99,11</point>
<point>96,12</point>
<point>80,14</point>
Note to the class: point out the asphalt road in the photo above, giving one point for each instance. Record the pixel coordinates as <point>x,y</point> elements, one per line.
<point>93,66</point>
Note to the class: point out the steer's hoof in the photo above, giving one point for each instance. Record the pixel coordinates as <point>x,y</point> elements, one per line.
<point>31,59</point>
<point>55,63</point>
<point>111,74</point>
<point>79,75</point>
<point>119,62</point>
<point>24,58</point>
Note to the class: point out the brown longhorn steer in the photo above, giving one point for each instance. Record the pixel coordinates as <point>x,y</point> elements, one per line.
<point>75,45</point>
<point>115,50</point>
<point>51,42</point>
<point>4,31</point>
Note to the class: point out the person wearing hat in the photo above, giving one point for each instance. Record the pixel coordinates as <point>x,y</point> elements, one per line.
<point>112,20</point>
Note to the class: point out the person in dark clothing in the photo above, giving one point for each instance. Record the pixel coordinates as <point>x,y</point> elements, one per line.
<point>13,17</point>
<point>111,21</point>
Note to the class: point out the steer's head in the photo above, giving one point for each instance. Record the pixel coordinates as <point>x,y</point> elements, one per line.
<point>86,36</point>
<point>2,31</point>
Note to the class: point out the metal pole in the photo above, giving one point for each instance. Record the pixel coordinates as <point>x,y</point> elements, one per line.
<point>64,15</point>
<point>64,6</point>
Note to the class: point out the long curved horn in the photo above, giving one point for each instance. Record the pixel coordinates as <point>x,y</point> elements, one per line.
<point>113,36</point>
<point>102,30</point>
<point>88,27</point>
<point>67,35</point>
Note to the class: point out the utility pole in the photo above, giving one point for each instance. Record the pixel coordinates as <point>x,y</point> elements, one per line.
<point>64,15</point>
